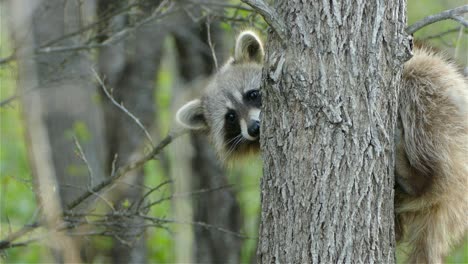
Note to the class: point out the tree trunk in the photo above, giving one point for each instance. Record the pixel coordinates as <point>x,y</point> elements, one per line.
<point>66,88</point>
<point>330,101</point>
<point>57,105</point>
<point>129,68</point>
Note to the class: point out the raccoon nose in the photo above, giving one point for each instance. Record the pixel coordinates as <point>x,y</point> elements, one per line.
<point>254,128</point>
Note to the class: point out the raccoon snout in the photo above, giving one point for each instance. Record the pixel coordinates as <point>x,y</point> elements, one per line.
<point>254,128</point>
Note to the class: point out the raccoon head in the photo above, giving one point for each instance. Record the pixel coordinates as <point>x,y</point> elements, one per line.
<point>229,109</point>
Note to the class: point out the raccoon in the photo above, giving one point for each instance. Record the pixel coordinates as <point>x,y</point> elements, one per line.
<point>230,106</point>
<point>431,139</point>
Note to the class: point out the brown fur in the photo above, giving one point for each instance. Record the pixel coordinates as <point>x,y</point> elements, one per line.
<point>431,157</point>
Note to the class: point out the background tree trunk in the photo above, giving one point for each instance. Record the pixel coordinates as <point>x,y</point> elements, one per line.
<point>129,68</point>
<point>330,101</point>
<point>65,86</point>
<point>58,108</point>
<point>219,207</point>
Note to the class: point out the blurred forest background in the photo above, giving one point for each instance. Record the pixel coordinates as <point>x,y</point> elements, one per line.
<point>90,86</point>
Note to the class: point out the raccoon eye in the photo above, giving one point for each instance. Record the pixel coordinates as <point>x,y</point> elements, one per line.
<point>231,116</point>
<point>253,95</point>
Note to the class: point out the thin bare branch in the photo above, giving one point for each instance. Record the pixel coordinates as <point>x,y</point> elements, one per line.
<point>212,4</point>
<point>202,224</point>
<point>18,95</point>
<point>460,20</point>
<point>270,16</point>
<point>110,221</point>
<point>122,107</point>
<point>140,202</point>
<point>196,192</point>
<point>446,32</point>
<point>7,242</point>
<point>8,59</point>
<point>8,100</point>
<point>458,43</point>
<point>82,156</point>
<point>114,161</point>
<point>213,53</point>
<point>125,169</point>
<point>163,10</point>
<point>453,14</point>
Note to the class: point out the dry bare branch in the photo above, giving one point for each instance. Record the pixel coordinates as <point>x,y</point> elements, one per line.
<point>453,14</point>
<point>213,53</point>
<point>444,33</point>
<point>201,224</point>
<point>142,199</point>
<point>270,16</point>
<point>122,107</point>
<point>125,169</point>
<point>82,156</point>
<point>164,9</point>
<point>8,241</point>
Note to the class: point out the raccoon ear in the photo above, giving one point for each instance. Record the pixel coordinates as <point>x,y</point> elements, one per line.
<point>249,48</point>
<point>191,115</point>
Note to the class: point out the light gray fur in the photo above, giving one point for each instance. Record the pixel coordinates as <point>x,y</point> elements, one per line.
<point>226,88</point>
<point>234,80</point>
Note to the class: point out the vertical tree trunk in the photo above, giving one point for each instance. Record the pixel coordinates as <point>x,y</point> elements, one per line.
<point>330,101</point>
<point>66,88</point>
<point>57,104</point>
<point>129,68</point>
<point>218,208</point>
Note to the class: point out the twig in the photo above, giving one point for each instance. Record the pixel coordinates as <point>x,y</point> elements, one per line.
<point>18,95</point>
<point>270,16</point>
<point>125,169</point>
<point>83,158</point>
<point>156,15</point>
<point>109,204</point>
<point>196,192</point>
<point>202,224</point>
<point>121,107</point>
<point>460,20</point>
<point>459,40</point>
<point>71,48</point>
<point>210,4</point>
<point>9,100</point>
<point>82,30</point>
<point>114,161</point>
<point>453,14</point>
<point>213,54</point>
<point>110,220</point>
<point>8,59</point>
<point>441,34</point>
<point>140,202</point>
<point>7,242</point>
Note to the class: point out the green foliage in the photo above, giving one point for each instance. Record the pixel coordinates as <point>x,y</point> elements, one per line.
<point>80,130</point>
<point>246,179</point>
<point>160,241</point>
<point>17,199</point>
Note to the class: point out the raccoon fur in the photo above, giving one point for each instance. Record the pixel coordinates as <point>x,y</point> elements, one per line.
<point>431,168</point>
<point>229,108</point>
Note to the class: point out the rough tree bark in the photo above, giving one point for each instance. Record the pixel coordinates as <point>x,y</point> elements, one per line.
<point>218,208</point>
<point>330,98</point>
<point>129,69</point>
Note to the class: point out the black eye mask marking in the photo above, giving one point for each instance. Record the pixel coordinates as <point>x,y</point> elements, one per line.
<point>232,128</point>
<point>231,116</point>
<point>253,98</point>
